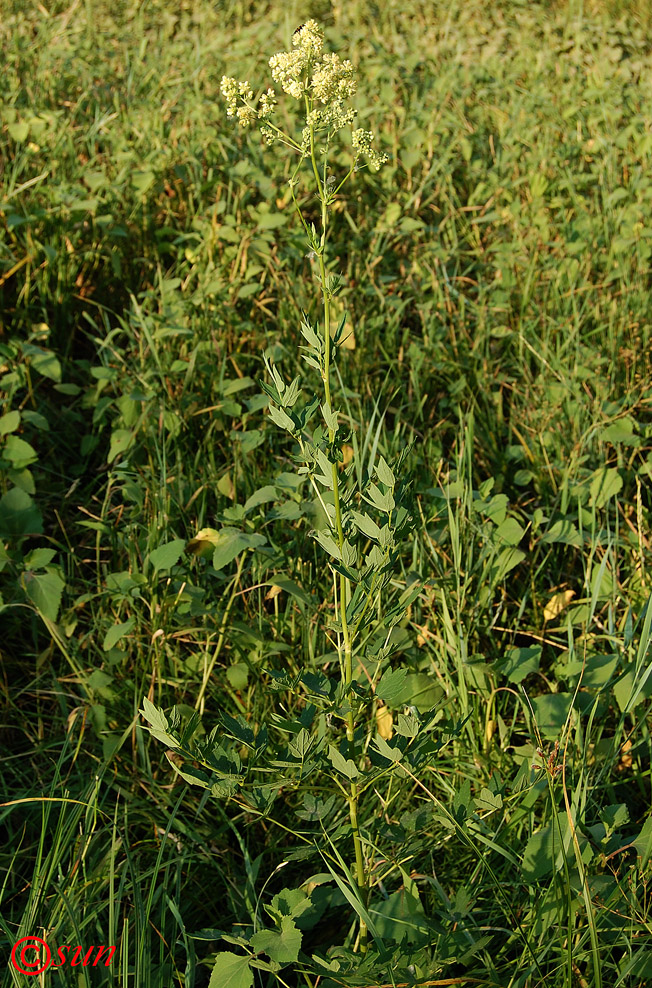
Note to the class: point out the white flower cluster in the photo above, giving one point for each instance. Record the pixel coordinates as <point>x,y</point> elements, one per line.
<point>333,80</point>
<point>362,141</point>
<point>239,97</point>
<point>327,82</point>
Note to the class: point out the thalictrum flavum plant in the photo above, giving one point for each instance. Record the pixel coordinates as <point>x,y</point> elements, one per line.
<point>367,515</point>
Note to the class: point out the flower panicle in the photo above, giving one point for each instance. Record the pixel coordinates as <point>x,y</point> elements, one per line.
<point>362,141</point>
<point>326,81</point>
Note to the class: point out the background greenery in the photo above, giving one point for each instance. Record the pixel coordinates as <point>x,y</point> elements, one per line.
<point>497,279</point>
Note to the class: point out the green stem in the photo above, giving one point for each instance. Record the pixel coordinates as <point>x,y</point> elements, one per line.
<point>344,594</point>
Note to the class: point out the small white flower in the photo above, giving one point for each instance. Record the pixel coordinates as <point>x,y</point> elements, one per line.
<point>362,141</point>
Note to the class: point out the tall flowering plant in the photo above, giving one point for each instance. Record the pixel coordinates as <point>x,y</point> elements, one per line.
<point>347,741</point>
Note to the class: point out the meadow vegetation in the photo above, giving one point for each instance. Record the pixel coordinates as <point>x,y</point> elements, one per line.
<point>496,368</point>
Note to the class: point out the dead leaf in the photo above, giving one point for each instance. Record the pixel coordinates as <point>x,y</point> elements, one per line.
<point>384,721</point>
<point>626,760</point>
<point>557,603</point>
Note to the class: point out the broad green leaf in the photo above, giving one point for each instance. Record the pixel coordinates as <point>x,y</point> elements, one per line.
<point>509,532</point>
<point>38,558</point>
<point>99,680</point>
<point>118,631</point>
<point>621,431</point>
<point>328,543</point>
<point>9,422</point>
<point>43,361</point>
<point>238,675</point>
<point>506,561</point>
<point>487,800</point>
<point>391,687</point>
<point>19,515</point>
<point>262,496</point>
<point>282,945</point>
<point>282,419</point>
<point>562,531</point>
<point>158,725</point>
<point>121,440</point>
<point>550,712</point>
<point>344,765</point>
<point>230,543</point>
<point>19,453</point>
<point>366,525</point>
<point>142,181</point>
<point>231,971</point>
<point>606,483</point>
<point>19,131</point>
<point>388,751</point>
<point>544,852</point>
<point>643,843</point>
<point>519,663</point>
<point>400,918</point>
<point>167,555</point>
<point>44,590</point>
<point>384,472</point>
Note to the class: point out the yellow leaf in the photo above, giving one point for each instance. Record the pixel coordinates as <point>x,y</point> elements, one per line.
<point>348,340</point>
<point>557,603</point>
<point>273,591</point>
<point>204,541</point>
<point>384,721</point>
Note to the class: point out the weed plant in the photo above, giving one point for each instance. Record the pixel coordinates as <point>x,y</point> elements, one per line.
<point>495,279</point>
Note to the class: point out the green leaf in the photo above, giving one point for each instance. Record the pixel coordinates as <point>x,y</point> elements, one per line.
<point>606,483</point>
<point>391,686</point>
<point>509,532</point>
<point>519,663</point>
<point>121,440</point>
<point>366,525</point>
<point>9,423</point>
<point>19,453</point>
<point>550,712</point>
<point>167,555</point>
<point>19,515</point>
<point>621,431</point>
<point>19,131</point>
<point>282,946</point>
<point>118,631</point>
<point>344,765</point>
<point>43,361</point>
<point>388,751</point>
<point>44,590</point>
<point>545,850</point>
<point>158,724</point>
<point>238,675</point>
<point>230,543</point>
<point>231,971</point>
<point>643,843</point>
<point>384,473</point>
<point>506,561</point>
<point>564,532</point>
<point>487,800</point>
<point>282,419</point>
<point>142,181</point>
<point>39,558</point>
<point>262,496</point>
<point>328,543</point>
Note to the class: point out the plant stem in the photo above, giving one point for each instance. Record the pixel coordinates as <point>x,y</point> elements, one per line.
<point>344,594</point>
